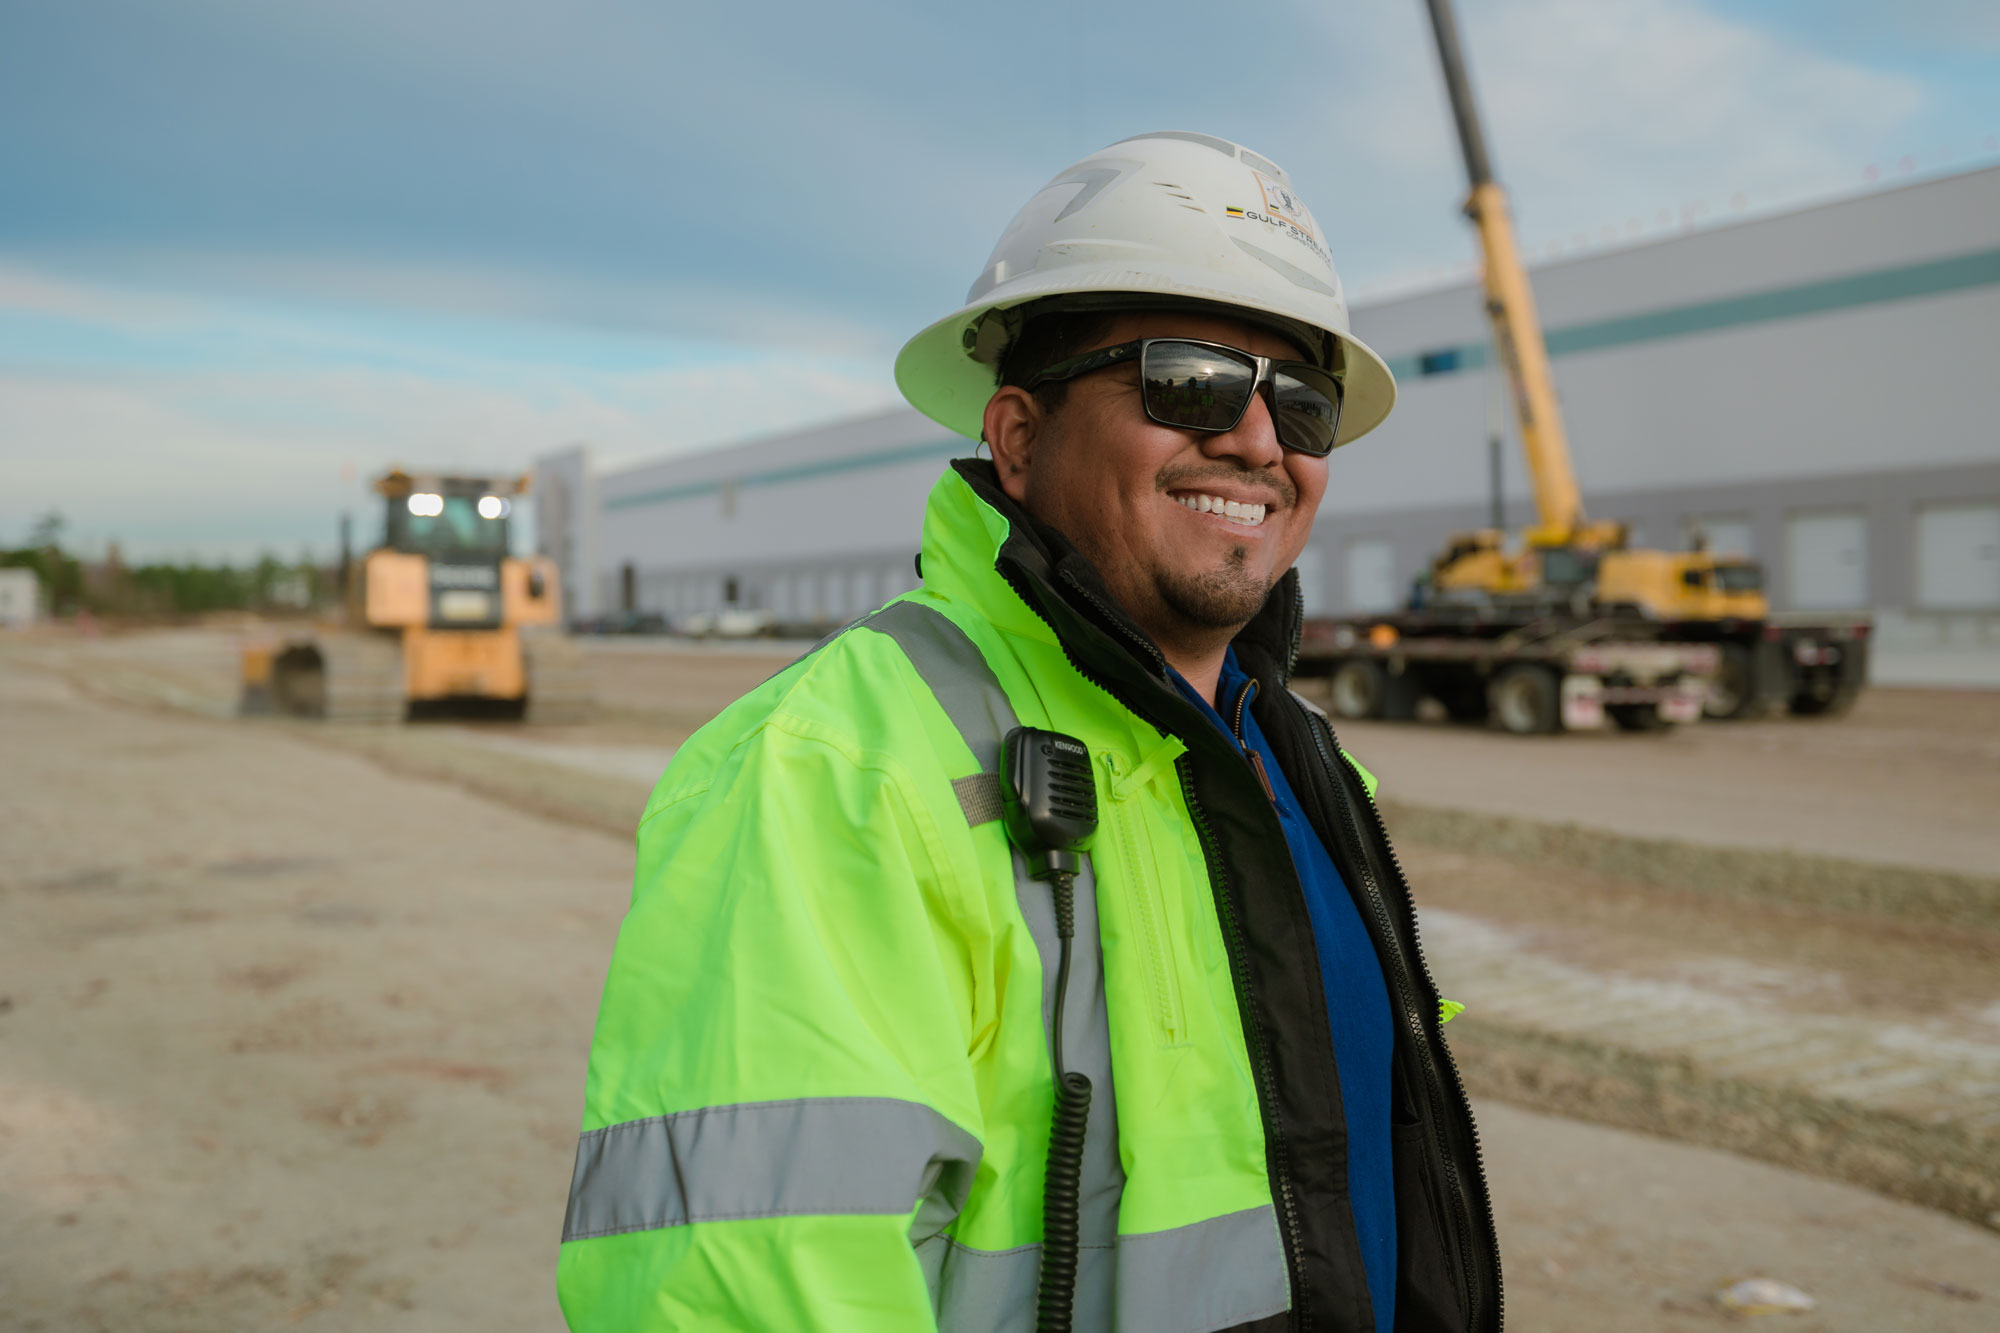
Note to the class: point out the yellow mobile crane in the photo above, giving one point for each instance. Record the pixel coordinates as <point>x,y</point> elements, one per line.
<point>1667,585</point>
<point>439,615</point>
<point>1574,623</point>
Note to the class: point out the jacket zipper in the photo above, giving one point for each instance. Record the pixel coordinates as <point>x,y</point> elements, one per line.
<point>1267,1080</point>
<point>1260,1058</point>
<point>1320,726</point>
<point>1243,698</point>
<point>1414,1016</point>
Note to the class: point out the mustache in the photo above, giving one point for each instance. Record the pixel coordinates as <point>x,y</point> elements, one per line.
<point>1274,482</point>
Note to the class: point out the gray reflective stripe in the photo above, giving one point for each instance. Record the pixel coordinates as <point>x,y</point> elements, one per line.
<point>1211,1274</point>
<point>1208,1275</point>
<point>957,673</point>
<point>1086,1043</point>
<point>979,796</point>
<point>819,1155</point>
<point>983,1291</point>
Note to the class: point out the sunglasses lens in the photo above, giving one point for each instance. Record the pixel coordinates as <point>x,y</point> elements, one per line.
<point>1308,408</point>
<point>1193,386</point>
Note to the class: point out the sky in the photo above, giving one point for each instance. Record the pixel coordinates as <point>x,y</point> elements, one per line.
<point>252,254</point>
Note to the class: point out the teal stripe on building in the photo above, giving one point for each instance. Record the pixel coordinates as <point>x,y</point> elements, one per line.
<point>1935,278</point>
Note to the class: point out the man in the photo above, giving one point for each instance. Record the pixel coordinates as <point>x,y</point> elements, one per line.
<point>822,1088</point>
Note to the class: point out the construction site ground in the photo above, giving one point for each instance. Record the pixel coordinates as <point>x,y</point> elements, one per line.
<point>293,1019</point>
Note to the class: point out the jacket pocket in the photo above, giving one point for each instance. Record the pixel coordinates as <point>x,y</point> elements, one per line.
<point>1430,1289</point>
<point>1148,901</point>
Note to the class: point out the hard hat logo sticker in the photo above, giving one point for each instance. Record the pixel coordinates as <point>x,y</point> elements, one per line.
<point>1278,199</point>
<point>1280,202</point>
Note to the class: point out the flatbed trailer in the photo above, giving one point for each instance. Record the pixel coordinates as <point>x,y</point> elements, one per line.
<point>1541,674</point>
<point>1578,671</point>
<point>1810,664</point>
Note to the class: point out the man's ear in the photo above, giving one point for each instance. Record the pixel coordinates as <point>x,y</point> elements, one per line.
<point>1013,427</point>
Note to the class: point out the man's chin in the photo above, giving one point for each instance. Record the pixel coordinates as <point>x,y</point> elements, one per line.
<point>1226,598</point>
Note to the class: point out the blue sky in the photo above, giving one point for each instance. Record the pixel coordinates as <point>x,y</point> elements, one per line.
<point>251,253</point>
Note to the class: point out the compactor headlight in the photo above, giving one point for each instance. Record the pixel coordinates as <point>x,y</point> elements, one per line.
<point>424,504</point>
<point>493,506</point>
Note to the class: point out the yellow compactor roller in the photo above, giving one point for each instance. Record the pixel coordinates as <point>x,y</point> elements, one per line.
<point>438,615</point>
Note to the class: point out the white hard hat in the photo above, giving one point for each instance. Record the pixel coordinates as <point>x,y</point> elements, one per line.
<point>1167,220</point>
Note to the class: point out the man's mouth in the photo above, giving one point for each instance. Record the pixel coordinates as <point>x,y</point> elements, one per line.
<point>1242,514</point>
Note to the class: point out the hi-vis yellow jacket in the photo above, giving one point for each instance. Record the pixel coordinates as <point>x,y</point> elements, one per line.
<point>820,1090</point>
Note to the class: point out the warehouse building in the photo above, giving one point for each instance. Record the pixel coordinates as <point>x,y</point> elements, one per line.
<point>1819,389</point>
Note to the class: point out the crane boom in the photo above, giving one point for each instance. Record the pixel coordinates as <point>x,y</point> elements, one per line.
<point>1510,306</point>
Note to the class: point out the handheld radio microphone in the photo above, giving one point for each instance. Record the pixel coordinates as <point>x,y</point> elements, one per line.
<point>1051,813</point>
<point>1051,799</point>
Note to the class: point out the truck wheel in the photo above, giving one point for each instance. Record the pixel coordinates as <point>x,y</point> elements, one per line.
<point>1733,693</point>
<point>1357,689</point>
<point>1832,705</point>
<point>1526,699</point>
<point>1463,701</point>
<point>1637,717</point>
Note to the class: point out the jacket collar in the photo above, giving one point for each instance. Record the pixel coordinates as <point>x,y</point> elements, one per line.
<point>1045,588</point>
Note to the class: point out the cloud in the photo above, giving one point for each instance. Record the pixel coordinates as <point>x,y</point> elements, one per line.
<point>728,162</point>
<point>1596,112</point>
<point>1939,24</point>
<point>23,291</point>
<point>227,465</point>
<point>838,173</point>
<point>1603,107</point>
<point>227,455</point>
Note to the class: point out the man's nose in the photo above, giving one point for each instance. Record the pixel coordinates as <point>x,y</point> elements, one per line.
<point>1253,441</point>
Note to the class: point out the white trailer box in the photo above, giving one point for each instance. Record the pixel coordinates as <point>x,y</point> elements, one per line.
<point>20,597</point>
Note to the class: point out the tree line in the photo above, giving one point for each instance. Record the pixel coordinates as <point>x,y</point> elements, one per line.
<point>162,589</point>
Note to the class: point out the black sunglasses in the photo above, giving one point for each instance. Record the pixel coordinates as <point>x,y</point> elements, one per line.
<point>1194,385</point>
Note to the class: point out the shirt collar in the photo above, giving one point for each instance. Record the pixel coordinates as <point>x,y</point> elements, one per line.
<point>1233,681</point>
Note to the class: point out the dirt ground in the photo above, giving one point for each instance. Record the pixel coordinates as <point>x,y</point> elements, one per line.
<point>292,1026</point>
<point>1909,776</point>
<point>285,1040</point>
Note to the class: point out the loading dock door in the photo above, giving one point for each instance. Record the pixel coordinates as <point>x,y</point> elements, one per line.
<point>1826,561</point>
<point>1728,534</point>
<point>1312,580</point>
<point>1371,575</point>
<point>1958,558</point>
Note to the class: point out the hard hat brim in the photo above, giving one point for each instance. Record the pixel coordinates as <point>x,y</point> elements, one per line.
<point>940,378</point>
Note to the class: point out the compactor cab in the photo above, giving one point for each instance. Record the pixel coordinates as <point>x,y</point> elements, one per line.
<point>439,614</point>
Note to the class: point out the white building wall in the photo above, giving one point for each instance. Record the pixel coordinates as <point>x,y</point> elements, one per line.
<point>567,527</point>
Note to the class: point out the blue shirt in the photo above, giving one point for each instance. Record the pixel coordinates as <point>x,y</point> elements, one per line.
<point>1357,1005</point>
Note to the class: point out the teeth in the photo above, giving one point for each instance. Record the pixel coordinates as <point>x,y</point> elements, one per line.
<point>1249,515</point>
